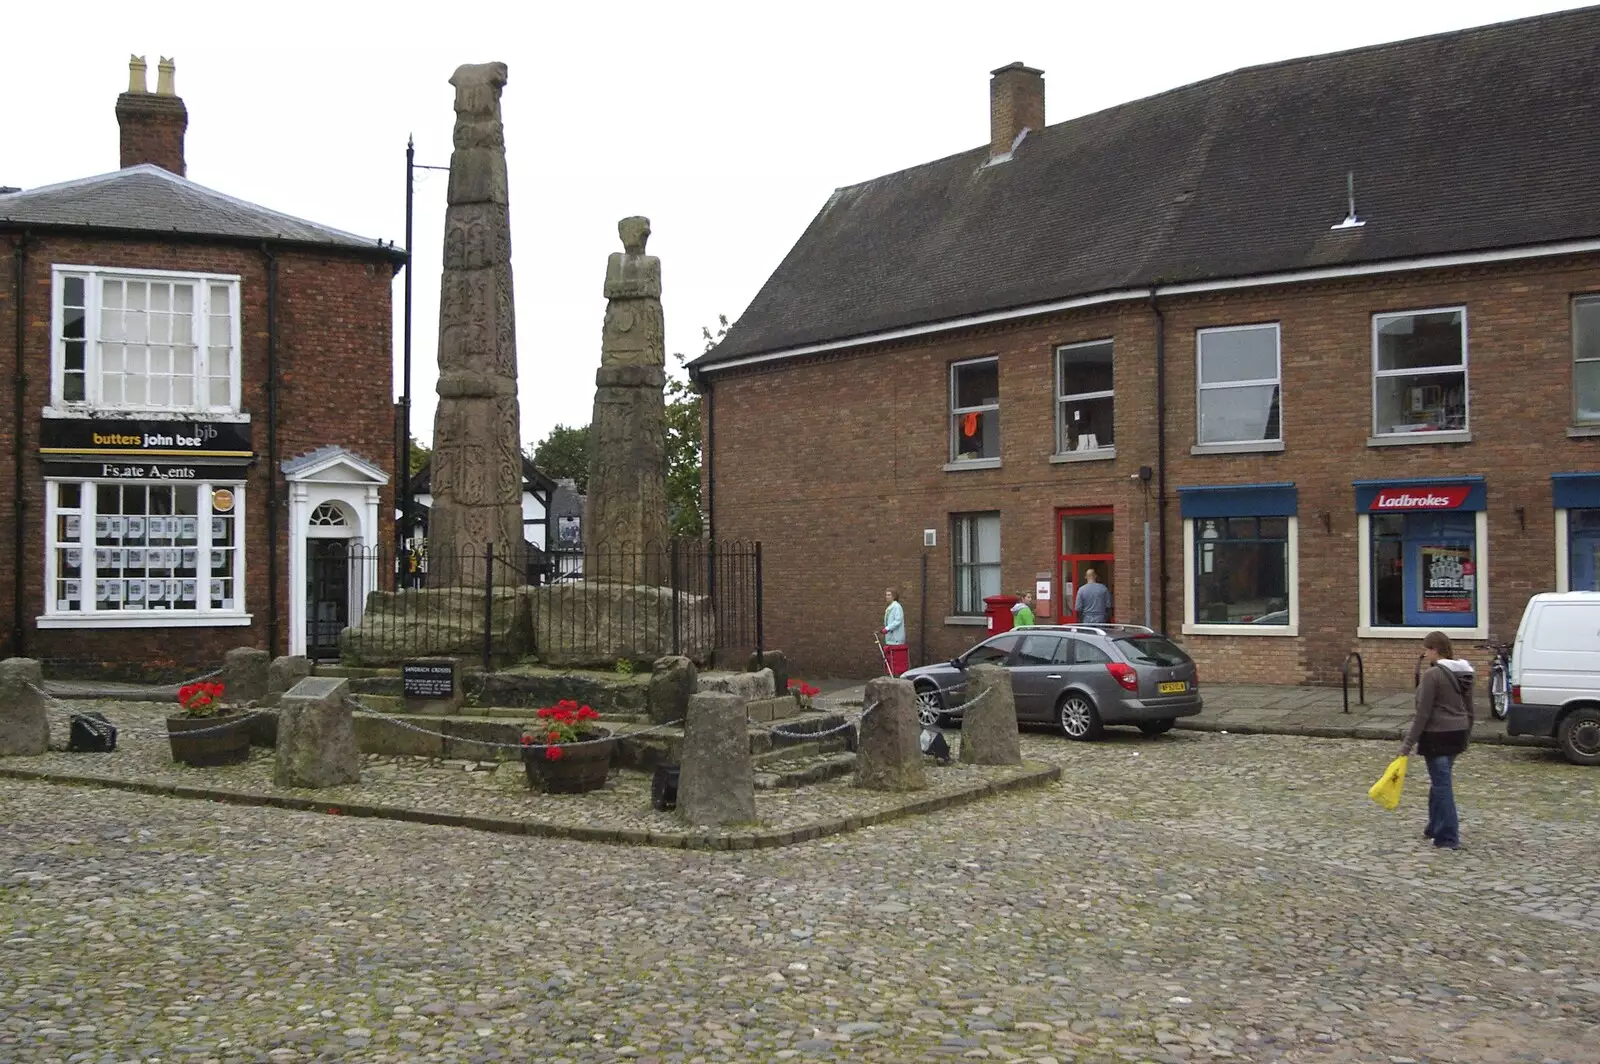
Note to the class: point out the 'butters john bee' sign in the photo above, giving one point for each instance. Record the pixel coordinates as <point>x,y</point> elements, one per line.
<point>97,440</point>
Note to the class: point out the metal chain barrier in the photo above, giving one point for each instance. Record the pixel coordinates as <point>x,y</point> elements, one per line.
<point>356,703</point>
<point>99,728</point>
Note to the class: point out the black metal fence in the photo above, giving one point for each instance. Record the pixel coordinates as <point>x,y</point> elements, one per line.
<point>595,607</point>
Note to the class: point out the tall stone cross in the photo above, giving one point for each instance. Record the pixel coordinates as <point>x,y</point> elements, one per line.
<point>625,540</point>
<point>476,474</point>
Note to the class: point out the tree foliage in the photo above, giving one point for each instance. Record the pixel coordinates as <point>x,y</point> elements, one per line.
<point>564,454</point>
<point>420,454</point>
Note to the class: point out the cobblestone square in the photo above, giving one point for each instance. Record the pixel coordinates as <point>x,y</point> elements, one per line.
<point>1197,897</point>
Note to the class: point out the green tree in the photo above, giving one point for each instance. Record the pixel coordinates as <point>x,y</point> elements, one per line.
<point>683,443</point>
<point>420,453</point>
<point>564,453</point>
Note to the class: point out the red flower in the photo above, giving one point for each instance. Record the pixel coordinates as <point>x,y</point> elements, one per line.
<point>553,753</point>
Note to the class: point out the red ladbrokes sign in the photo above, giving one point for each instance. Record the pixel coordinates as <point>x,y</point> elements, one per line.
<point>1448,498</point>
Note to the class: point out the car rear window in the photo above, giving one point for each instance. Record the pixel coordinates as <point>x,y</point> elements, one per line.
<point>1151,650</point>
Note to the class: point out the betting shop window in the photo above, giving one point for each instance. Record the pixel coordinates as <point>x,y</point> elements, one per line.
<point>145,341</point>
<point>1419,374</point>
<point>1240,570</point>
<point>975,554</point>
<point>1084,398</point>
<point>1424,570</point>
<point>975,410</point>
<point>1586,359</point>
<point>1583,550</point>
<point>1239,394</point>
<point>146,554</point>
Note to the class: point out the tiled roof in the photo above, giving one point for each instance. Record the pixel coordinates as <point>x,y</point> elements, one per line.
<point>1469,141</point>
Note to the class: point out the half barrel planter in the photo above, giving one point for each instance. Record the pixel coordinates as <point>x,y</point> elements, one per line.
<point>208,741</point>
<point>582,766</point>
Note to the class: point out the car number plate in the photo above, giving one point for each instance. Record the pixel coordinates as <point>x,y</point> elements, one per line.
<point>1176,687</point>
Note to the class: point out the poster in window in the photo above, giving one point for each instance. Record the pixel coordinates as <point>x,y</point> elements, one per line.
<point>216,590</point>
<point>135,558</point>
<point>568,531</point>
<point>190,557</point>
<point>219,560</point>
<point>157,527</point>
<point>1448,579</point>
<point>102,590</point>
<point>102,527</point>
<point>102,558</point>
<point>136,528</point>
<point>135,591</point>
<point>74,527</point>
<point>219,528</point>
<point>116,557</point>
<point>114,526</point>
<point>74,557</point>
<point>190,528</point>
<point>188,591</point>
<point>69,590</point>
<point>155,591</point>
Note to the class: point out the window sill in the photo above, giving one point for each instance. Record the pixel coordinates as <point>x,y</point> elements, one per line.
<point>1244,447</point>
<point>147,619</point>
<point>968,622</point>
<point>1578,432</point>
<point>1416,439</point>
<point>1386,632</point>
<point>1099,454</point>
<point>972,463</point>
<point>1242,629</point>
<point>87,413</point>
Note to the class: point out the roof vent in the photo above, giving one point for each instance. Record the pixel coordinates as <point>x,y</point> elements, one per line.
<point>1350,220</point>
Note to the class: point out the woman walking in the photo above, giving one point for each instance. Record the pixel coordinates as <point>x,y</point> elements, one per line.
<point>1439,732</point>
<point>895,651</point>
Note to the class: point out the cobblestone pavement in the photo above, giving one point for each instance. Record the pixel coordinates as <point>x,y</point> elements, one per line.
<point>1191,898</point>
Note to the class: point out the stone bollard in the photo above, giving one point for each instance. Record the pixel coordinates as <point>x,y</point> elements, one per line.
<point>889,755</point>
<point>24,728</point>
<point>316,735</point>
<point>673,681</point>
<point>717,785</point>
<point>283,674</point>
<point>989,724</point>
<point>778,662</point>
<point>244,675</point>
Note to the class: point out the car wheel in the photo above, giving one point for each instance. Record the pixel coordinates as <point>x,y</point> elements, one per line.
<point>1156,727</point>
<point>1580,736</point>
<point>1078,718</point>
<point>930,706</point>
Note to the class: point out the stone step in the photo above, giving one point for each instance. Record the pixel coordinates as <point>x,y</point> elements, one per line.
<point>816,770</point>
<point>354,672</point>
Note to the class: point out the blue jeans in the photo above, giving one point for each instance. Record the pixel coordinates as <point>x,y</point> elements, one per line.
<point>1444,826</point>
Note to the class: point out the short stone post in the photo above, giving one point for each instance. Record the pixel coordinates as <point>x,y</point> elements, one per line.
<point>24,728</point>
<point>989,723</point>
<point>889,755</point>
<point>717,785</point>
<point>673,681</point>
<point>244,675</point>
<point>283,674</point>
<point>316,735</point>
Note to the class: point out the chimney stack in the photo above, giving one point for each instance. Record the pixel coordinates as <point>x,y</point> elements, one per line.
<point>1016,103</point>
<point>152,124</point>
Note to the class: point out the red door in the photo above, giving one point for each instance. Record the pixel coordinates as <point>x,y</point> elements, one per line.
<point>1084,543</point>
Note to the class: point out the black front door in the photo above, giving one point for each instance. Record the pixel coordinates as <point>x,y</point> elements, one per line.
<point>327,596</point>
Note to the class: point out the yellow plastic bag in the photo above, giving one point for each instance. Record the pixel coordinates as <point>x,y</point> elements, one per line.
<point>1386,792</point>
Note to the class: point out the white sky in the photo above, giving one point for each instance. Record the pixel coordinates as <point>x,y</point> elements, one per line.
<point>728,124</point>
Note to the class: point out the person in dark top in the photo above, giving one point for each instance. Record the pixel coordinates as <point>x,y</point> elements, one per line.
<point>1439,732</point>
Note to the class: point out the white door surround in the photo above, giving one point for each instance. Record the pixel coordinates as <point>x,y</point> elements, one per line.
<point>333,494</point>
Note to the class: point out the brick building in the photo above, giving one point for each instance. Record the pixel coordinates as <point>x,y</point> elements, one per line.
<point>201,407</point>
<point>1323,337</point>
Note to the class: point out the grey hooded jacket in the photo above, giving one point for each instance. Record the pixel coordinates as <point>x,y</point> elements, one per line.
<point>1444,708</point>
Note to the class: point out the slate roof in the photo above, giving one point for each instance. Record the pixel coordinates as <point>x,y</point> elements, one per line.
<point>1466,141</point>
<point>149,199</point>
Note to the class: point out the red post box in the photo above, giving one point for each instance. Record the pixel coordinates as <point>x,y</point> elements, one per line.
<point>997,608</point>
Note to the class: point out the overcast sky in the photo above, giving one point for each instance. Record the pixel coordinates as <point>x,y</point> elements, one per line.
<point>727,124</point>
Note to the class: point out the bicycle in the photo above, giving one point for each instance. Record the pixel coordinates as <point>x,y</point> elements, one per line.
<point>1499,679</point>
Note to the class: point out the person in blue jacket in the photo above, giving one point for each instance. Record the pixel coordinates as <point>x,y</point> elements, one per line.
<point>894,633</point>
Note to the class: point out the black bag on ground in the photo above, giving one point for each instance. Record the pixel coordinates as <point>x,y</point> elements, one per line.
<point>92,734</point>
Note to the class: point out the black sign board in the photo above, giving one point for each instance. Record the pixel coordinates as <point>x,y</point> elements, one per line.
<point>427,679</point>
<point>187,440</point>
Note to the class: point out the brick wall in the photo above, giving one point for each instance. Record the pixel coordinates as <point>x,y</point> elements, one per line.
<point>835,463</point>
<point>336,379</point>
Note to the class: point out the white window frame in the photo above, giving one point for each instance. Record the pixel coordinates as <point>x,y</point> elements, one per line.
<point>1589,299</point>
<point>1194,627</point>
<point>202,616</point>
<point>955,412</point>
<point>1390,439</point>
<point>1365,629</point>
<point>1200,388</point>
<point>1063,398</point>
<point>94,278</point>
<point>955,540</point>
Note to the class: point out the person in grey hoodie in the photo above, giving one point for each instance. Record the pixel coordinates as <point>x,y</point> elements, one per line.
<point>1439,732</point>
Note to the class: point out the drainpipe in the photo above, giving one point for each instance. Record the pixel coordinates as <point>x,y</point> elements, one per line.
<point>1161,448</point>
<point>710,457</point>
<point>272,449</point>
<point>19,380</point>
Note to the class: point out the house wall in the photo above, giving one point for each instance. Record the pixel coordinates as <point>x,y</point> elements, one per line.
<point>836,464</point>
<point>335,364</point>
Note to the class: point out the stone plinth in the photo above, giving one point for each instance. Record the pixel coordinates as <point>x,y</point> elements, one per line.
<point>244,675</point>
<point>24,727</point>
<point>673,681</point>
<point>438,622</point>
<point>989,724</point>
<point>716,787</point>
<point>888,755</point>
<point>750,686</point>
<point>316,735</point>
<point>589,624</point>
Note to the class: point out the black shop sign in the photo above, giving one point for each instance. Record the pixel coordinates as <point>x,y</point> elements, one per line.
<point>188,440</point>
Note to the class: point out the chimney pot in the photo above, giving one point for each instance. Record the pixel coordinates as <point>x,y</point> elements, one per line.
<point>1016,103</point>
<point>153,124</point>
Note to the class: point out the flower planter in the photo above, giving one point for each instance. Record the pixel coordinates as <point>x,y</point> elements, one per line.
<point>224,740</point>
<point>579,767</point>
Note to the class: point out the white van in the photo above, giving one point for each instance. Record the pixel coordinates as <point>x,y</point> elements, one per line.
<point>1555,673</point>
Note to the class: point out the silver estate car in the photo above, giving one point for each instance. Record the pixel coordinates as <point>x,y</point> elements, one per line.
<point>1080,677</point>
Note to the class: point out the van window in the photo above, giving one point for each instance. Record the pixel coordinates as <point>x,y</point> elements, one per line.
<point>1568,627</point>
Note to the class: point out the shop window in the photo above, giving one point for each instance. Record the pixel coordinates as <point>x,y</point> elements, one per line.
<point>148,554</point>
<point>1583,550</point>
<point>975,410</point>
<point>1586,359</point>
<point>1424,570</point>
<point>975,553</point>
<point>1419,384</point>
<point>1084,398</point>
<point>1241,570</point>
<point>142,340</point>
<point>1239,385</point>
